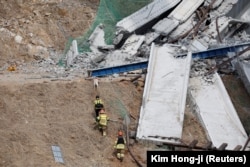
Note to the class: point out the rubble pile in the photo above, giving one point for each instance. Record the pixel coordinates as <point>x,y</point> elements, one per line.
<point>222,31</point>
<point>206,38</point>
<point>201,67</point>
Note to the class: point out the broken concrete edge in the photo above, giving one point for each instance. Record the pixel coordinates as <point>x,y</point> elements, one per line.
<point>229,112</point>
<point>243,69</point>
<point>72,53</point>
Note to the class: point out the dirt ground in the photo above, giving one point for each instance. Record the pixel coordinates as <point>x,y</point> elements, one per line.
<point>37,113</point>
<point>240,98</point>
<point>32,29</point>
<point>35,116</point>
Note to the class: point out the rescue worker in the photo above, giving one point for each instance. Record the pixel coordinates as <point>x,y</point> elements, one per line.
<point>120,145</point>
<point>103,121</point>
<point>98,105</point>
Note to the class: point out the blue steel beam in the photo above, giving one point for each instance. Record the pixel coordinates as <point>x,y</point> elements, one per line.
<point>117,69</point>
<point>143,65</point>
<point>218,51</point>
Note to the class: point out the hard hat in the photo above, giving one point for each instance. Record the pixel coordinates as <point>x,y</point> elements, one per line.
<point>120,133</point>
<point>97,97</point>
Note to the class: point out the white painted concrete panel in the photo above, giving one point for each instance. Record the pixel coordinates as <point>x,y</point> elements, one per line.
<point>150,37</point>
<point>164,96</point>
<point>246,15</point>
<point>182,28</point>
<point>133,43</point>
<point>146,14</point>
<point>165,26</point>
<point>185,9</point>
<point>217,112</point>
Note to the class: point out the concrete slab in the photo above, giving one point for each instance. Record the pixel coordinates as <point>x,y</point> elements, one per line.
<point>97,39</point>
<point>198,45</point>
<point>164,97</point>
<point>150,37</point>
<point>165,26</point>
<point>183,27</point>
<point>132,44</point>
<point>185,9</point>
<point>216,112</point>
<point>146,14</point>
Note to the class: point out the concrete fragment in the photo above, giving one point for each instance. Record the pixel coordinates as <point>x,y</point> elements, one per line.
<point>132,44</point>
<point>96,39</point>
<point>18,39</point>
<point>145,15</point>
<point>165,26</point>
<point>198,45</point>
<point>72,53</point>
<point>185,9</point>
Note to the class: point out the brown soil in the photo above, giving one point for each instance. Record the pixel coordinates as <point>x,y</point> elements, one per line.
<point>39,113</point>
<point>41,24</point>
<point>240,98</point>
<point>35,116</point>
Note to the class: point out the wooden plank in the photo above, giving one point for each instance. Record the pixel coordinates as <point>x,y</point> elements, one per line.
<point>222,146</point>
<point>208,146</point>
<point>238,148</point>
<point>193,143</point>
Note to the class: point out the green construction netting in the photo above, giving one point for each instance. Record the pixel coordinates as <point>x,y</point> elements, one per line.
<point>109,13</point>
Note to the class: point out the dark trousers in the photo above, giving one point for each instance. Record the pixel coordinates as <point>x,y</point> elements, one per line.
<point>97,112</point>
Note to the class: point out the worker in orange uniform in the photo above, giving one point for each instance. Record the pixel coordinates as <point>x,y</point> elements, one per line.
<point>120,144</point>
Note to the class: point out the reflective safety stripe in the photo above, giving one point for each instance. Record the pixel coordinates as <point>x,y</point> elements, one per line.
<point>98,102</point>
<point>120,146</point>
<point>103,119</point>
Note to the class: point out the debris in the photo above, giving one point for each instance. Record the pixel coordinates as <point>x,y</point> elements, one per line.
<point>57,154</point>
<point>132,116</point>
<point>12,67</point>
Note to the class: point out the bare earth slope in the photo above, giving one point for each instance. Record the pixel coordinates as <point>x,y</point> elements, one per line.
<point>33,28</point>
<point>36,116</point>
<point>38,113</point>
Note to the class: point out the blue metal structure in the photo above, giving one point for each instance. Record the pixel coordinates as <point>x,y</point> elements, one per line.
<point>223,51</point>
<point>117,69</point>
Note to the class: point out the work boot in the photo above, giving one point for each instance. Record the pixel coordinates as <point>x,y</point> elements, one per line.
<point>118,155</point>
